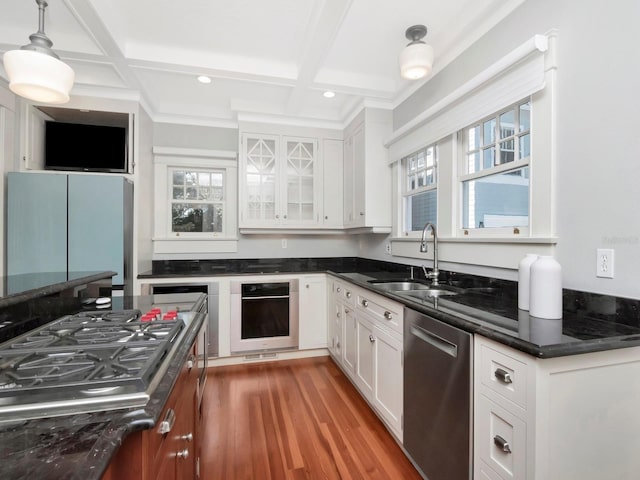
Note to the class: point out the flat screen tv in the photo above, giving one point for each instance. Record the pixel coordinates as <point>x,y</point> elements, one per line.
<point>89,148</point>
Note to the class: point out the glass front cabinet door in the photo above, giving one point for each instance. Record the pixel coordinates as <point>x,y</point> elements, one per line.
<point>279,176</point>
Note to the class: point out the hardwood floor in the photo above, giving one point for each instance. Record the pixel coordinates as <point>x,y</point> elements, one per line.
<point>294,419</point>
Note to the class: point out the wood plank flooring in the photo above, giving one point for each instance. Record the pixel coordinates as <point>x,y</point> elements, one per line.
<point>294,419</point>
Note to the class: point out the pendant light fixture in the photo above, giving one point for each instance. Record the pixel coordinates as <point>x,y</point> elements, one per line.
<point>416,59</point>
<point>35,72</point>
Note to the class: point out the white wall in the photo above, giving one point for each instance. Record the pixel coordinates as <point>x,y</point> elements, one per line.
<point>598,125</point>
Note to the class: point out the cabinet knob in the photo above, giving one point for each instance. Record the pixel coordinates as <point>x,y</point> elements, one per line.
<point>502,444</point>
<point>307,285</point>
<point>362,214</point>
<point>348,294</point>
<point>326,217</point>
<point>191,362</point>
<point>387,315</point>
<point>365,304</point>
<point>188,437</point>
<point>184,454</point>
<point>338,289</point>
<point>284,216</point>
<point>277,216</point>
<point>346,310</point>
<point>338,315</point>
<point>503,376</point>
<point>372,338</point>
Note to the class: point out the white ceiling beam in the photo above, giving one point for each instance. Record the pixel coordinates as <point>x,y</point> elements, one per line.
<point>326,21</point>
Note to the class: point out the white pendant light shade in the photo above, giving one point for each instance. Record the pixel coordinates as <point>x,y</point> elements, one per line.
<point>35,71</point>
<point>38,76</point>
<point>416,61</point>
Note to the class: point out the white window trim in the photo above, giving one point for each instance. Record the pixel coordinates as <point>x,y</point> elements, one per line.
<point>406,193</point>
<point>501,249</point>
<point>166,242</point>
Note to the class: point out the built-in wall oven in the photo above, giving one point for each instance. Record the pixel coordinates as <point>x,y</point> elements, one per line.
<point>264,315</point>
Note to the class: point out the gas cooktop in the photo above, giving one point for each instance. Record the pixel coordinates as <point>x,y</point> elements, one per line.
<point>90,361</point>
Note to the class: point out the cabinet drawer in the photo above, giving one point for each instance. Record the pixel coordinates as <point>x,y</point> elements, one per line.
<point>346,293</point>
<point>384,312</point>
<point>500,440</point>
<point>504,375</point>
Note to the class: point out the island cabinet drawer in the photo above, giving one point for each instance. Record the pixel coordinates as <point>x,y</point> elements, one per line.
<point>500,442</point>
<point>384,311</point>
<point>503,374</point>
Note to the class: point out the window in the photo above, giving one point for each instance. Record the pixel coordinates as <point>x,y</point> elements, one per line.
<point>495,180</point>
<point>197,201</point>
<point>194,202</point>
<point>420,198</point>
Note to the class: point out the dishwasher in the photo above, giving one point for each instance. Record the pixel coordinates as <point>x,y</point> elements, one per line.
<point>437,397</point>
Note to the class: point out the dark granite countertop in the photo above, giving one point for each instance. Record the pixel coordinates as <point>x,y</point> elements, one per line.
<point>27,286</point>
<point>81,446</point>
<point>488,307</point>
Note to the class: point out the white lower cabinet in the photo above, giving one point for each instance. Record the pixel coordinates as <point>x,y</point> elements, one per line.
<point>312,312</point>
<point>370,352</point>
<point>565,418</point>
<point>349,347</point>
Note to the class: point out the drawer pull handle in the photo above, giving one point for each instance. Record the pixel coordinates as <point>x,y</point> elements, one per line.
<point>372,338</point>
<point>387,315</point>
<point>503,376</point>
<point>167,424</point>
<point>502,444</point>
<point>348,294</point>
<point>365,304</point>
<point>184,454</point>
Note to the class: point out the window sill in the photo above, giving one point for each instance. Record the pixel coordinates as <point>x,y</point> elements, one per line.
<point>497,252</point>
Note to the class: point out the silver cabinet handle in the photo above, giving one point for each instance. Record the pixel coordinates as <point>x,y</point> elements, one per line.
<point>503,376</point>
<point>184,454</point>
<point>365,304</point>
<point>167,424</point>
<point>348,294</point>
<point>372,338</point>
<point>338,289</point>
<point>190,362</point>
<point>502,444</point>
<point>188,437</point>
<point>346,310</point>
<point>387,315</point>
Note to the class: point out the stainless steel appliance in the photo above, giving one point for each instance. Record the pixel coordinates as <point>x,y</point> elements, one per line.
<point>89,361</point>
<point>264,316</point>
<point>164,293</point>
<point>437,397</point>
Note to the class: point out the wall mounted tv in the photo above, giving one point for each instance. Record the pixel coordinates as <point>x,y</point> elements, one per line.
<point>89,148</point>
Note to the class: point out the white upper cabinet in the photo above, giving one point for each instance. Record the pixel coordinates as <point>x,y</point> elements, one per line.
<point>290,182</point>
<point>367,173</point>
<point>279,181</point>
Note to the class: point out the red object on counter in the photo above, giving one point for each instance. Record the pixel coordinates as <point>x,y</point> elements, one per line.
<point>147,317</point>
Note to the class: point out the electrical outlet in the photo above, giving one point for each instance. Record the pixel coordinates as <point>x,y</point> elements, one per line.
<point>604,263</point>
<point>388,248</point>
<point>284,243</point>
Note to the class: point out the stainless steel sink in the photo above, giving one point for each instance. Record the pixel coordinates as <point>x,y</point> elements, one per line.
<point>399,285</point>
<point>431,292</point>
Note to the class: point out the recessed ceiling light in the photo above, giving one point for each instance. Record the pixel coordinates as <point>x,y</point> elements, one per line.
<point>204,79</point>
<point>329,94</point>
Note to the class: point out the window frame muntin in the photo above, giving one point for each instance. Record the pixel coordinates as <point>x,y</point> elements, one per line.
<point>406,193</point>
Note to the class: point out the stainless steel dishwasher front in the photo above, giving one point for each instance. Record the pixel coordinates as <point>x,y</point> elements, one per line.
<point>437,397</point>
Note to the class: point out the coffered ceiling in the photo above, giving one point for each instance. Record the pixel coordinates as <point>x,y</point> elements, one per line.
<point>268,59</point>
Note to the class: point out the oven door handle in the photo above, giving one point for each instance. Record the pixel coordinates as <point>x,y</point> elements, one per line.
<point>268,297</point>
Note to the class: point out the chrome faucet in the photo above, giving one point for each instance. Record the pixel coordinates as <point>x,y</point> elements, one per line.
<point>433,275</point>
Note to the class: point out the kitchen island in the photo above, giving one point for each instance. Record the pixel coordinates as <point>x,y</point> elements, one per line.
<point>82,445</point>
